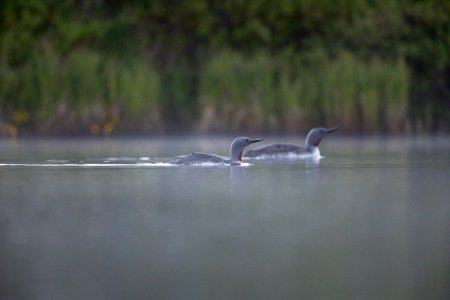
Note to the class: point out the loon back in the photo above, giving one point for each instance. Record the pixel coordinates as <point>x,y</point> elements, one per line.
<point>198,158</point>
<point>274,150</point>
<point>311,149</point>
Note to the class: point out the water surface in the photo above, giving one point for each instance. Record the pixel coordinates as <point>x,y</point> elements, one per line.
<point>109,219</point>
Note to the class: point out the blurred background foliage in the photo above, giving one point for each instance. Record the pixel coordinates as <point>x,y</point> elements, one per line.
<point>101,67</point>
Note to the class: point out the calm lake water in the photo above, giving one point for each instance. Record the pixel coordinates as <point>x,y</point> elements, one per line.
<point>108,219</point>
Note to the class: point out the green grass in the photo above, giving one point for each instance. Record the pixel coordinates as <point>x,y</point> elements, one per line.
<point>85,91</point>
<point>292,91</point>
<point>81,88</point>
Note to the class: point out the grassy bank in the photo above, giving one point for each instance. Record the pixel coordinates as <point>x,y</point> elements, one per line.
<point>81,92</point>
<point>102,67</point>
<point>292,91</point>
<point>88,93</point>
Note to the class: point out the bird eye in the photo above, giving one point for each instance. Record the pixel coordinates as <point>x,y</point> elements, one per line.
<point>246,140</point>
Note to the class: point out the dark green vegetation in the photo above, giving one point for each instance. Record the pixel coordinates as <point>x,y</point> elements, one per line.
<point>277,66</point>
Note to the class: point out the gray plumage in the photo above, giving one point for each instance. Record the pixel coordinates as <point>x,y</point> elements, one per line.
<point>311,148</point>
<point>274,150</point>
<point>199,158</point>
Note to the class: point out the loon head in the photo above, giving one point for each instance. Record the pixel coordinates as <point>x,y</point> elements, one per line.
<point>238,145</point>
<point>315,135</point>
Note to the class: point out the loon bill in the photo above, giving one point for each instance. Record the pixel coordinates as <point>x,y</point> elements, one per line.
<point>311,148</point>
<point>199,158</point>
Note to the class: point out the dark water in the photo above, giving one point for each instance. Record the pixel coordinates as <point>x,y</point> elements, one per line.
<point>98,219</point>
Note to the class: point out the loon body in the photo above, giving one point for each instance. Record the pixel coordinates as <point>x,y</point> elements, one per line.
<point>199,158</point>
<point>311,148</point>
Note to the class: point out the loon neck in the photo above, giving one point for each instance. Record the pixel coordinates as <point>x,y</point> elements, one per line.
<point>314,150</point>
<point>236,156</point>
<point>240,155</point>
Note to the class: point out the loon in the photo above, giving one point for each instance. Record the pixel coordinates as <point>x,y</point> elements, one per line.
<point>199,158</point>
<point>311,149</point>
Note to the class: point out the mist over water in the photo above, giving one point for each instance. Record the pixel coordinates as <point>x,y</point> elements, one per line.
<point>110,219</point>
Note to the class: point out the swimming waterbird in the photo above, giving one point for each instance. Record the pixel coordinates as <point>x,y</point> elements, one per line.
<point>311,148</point>
<point>199,158</point>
